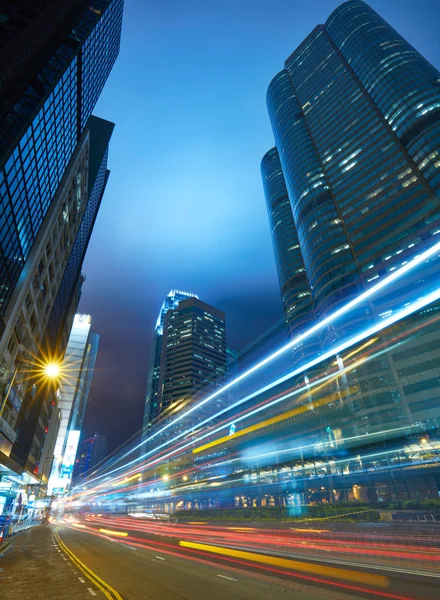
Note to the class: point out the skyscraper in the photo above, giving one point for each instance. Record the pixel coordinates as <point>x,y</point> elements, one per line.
<point>294,285</point>
<point>53,169</point>
<point>77,371</point>
<point>90,452</point>
<point>352,190</point>
<point>151,409</point>
<point>356,123</point>
<point>193,357</point>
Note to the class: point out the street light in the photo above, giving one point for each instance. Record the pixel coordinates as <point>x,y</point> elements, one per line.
<point>49,371</point>
<point>52,370</point>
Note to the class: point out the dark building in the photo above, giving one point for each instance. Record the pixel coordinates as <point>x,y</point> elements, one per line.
<point>352,190</point>
<point>90,452</point>
<point>53,171</point>
<point>355,119</point>
<point>67,300</point>
<point>294,285</point>
<point>193,357</point>
<point>151,409</point>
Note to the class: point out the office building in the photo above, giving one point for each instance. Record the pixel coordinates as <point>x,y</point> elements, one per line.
<point>193,358</point>
<point>77,374</point>
<point>352,189</point>
<point>355,120</point>
<point>295,290</point>
<point>91,451</point>
<point>53,170</point>
<point>151,409</point>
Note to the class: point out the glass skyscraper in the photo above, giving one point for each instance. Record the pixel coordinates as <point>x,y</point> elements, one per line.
<point>152,408</point>
<point>53,172</point>
<point>355,115</point>
<point>193,357</point>
<point>41,130</point>
<point>78,366</point>
<point>67,300</point>
<point>352,191</point>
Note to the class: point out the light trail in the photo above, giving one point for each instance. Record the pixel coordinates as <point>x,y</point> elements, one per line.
<point>416,261</point>
<point>286,563</point>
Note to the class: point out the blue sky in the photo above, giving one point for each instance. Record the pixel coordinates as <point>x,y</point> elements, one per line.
<point>184,206</point>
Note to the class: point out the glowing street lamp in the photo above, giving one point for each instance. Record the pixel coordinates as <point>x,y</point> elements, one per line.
<point>48,371</point>
<point>52,370</point>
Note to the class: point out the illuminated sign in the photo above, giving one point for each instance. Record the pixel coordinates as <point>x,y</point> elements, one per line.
<point>61,481</point>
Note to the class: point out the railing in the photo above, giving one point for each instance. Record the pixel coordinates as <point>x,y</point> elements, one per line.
<point>13,528</point>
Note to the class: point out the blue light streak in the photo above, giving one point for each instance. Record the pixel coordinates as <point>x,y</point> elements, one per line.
<point>404,312</point>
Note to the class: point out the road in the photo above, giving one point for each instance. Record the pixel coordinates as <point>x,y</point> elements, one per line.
<point>105,559</point>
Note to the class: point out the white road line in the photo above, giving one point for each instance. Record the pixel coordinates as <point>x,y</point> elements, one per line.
<point>81,579</point>
<point>160,558</point>
<point>92,592</point>
<point>226,577</point>
<point>132,548</point>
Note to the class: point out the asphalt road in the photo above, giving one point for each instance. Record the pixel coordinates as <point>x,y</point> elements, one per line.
<point>60,562</point>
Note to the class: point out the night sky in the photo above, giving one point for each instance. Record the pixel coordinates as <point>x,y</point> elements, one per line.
<point>184,207</point>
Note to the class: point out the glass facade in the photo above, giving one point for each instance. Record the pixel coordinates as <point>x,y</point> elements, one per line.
<point>100,132</point>
<point>31,176</point>
<point>151,410</point>
<point>356,119</point>
<point>193,359</point>
<point>295,290</point>
<point>363,201</point>
<point>41,131</point>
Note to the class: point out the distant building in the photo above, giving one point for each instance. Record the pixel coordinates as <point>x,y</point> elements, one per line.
<point>151,409</point>
<point>193,358</point>
<point>90,452</point>
<point>77,370</point>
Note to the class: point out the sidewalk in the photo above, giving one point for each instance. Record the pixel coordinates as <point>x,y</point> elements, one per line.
<point>31,564</point>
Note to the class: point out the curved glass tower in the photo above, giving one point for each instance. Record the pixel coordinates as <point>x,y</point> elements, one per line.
<point>294,285</point>
<point>356,119</point>
<point>355,115</point>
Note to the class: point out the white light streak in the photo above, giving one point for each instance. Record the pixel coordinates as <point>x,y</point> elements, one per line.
<point>385,282</point>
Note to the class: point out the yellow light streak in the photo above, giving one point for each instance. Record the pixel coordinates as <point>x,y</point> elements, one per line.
<point>286,563</point>
<point>311,530</point>
<point>287,415</point>
<point>110,532</point>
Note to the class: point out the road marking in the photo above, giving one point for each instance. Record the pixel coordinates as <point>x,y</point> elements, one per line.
<point>226,577</point>
<point>107,590</point>
<point>81,579</point>
<point>160,558</point>
<point>92,592</point>
<point>132,548</point>
<point>316,569</point>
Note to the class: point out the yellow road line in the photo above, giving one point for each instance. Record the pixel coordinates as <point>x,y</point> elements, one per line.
<point>333,572</point>
<point>107,590</point>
